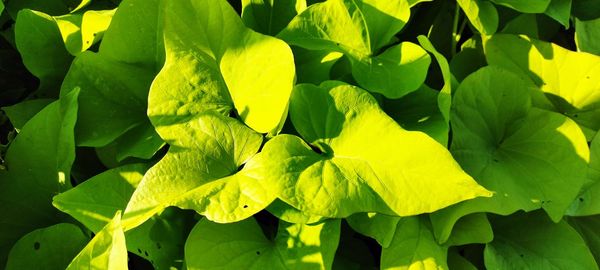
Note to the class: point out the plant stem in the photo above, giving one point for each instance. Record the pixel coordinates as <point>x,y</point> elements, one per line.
<point>455,33</point>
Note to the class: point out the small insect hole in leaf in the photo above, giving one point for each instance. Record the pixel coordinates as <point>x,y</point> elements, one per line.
<point>245,206</point>
<point>581,199</point>
<point>139,251</point>
<point>146,253</point>
<point>258,253</point>
<point>521,255</point>
<point>36,245</point>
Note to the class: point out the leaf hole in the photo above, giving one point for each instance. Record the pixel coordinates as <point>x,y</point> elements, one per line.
<point>258,253</point>
<point>139,251</point>
<point>521,255</point>
<point>245,206</point>
<point>581,199</point>
<point>146,253</point>
<point>36,245</point>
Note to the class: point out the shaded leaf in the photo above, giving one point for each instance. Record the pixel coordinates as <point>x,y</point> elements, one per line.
<point>242,245</point>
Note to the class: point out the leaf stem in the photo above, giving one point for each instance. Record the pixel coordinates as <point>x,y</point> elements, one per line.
<point>455,34</point>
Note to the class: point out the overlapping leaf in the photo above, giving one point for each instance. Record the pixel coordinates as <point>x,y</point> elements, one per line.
<point>352,169</point>
<point>568,80</point>
<point>219,69</point>
<point>243,245</point>
<point>116,81</point>
<point>50,248</point>
<point>361,30</point>
<point>97,200</point>
<point>202,172</point>
<point>530,158</point>
<point>106,250</point>
<point>38,166</point>
<point>532,241</point>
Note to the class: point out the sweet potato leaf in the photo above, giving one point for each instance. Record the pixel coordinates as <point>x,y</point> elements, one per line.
<point>219,70</point>
<point>208,154</point>
<point>414,246</point>
<point>269,16</point>
<point>38,166</point>
<point>106,250</point>
<point>243,245</point>
<point>503,143</point>
<point>362,30</point>
<point>532,241</point>
<point>349,172</point>
<point>586,34</point>
<point>95,201</point>
<point>49,248</point>
<point>567,79</point>
<point>482,15</point>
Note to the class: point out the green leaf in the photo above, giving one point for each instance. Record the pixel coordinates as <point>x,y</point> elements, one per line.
<point>413,3</point>
<point>107,86</point>
<point>560,10</point>
<point>361,30</point>
<point>314,66</point>
<point>586,35</point>
<point>226,67</point>
<point>471,229</point>
<point>419,111</point>
<point>414,247</point>
<point>134,35</point>
<point>269,16</point>
<point>445,96</point>
<point>482,15</point>
<point>458,262</point>
<point>290,214</point>
<point>377,226</point>
<point>523,24</point>
<point>107,250</point>
<point>586,203</point>
<point>207,156</point>
<point>529,6</point>
<point>49,248</point>
<point>160,240</point>
<point>40,44</point>
<point>242,245</point>
<point>503,143</point>
<point>95,201</point>
<point>38,165</point>
<point>51,7</point>
<point>586,9</point>
<point>588,230</point>
<point>532,241</point>
<point>21,112</point>
<point>116,81</point>
<point>352,170</point>
<point>397,71</point>
<point>567,79</point>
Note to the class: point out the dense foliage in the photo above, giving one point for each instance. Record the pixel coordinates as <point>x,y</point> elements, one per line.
<point>299,134</point>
